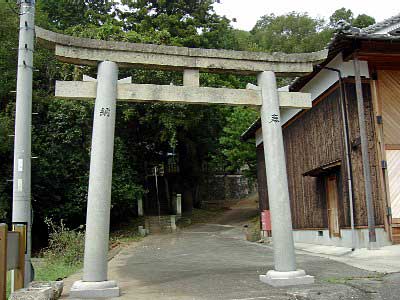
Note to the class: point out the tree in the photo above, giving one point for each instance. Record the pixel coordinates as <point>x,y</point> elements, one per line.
<point>8,67</point>
<point>8,52</point>
<point>236,154</point>
<point>65,14</point>
<point>245,41</point>
<point>363,21</point>
<point>347,15</point>
<point>293,32</point>
<point>191,23</point>
<point>144,133</point>
<point>341,14</point>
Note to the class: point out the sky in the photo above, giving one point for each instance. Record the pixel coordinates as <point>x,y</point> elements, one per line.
<point>247,12</point>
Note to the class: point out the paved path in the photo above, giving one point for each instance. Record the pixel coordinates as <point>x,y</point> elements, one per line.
<point>213,261</point>
<point>210,262</point>
<point>384,260</point>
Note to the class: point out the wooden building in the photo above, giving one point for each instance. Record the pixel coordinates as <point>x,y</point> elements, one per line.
<point>315,142</point>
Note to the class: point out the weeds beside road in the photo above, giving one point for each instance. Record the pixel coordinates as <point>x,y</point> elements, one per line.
<point>64,254</point>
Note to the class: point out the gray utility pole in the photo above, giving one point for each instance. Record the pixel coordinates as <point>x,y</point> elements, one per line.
<point>365,157</point>
<point>21,211</point>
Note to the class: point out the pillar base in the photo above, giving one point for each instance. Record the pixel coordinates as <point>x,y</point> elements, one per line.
<point>276,278</point>
<point>89,290</point>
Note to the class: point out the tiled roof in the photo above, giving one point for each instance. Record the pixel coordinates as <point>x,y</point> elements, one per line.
<point>343,40</point>
<point>385,23</point>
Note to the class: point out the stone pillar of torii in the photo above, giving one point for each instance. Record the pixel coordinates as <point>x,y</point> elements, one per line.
<point>107,90</point>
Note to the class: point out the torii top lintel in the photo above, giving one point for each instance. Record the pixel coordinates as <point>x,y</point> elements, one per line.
<point>83,51</point>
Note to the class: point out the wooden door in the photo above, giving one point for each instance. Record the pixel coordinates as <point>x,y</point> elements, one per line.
<point>333,205</point>
<point>393,164</point>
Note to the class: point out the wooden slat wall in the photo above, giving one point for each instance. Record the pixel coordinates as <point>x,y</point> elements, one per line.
<point>311,141</point>
<point>262,179</point>
<point>358,183</point>
<point>315,139</point>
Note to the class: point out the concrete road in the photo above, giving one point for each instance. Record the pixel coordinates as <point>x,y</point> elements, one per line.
<point>213,261</point>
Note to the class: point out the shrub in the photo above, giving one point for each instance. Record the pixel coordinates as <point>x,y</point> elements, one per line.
<point>64,244</point>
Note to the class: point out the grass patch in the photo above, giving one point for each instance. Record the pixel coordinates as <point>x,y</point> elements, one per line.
<point>201,216</point>
<point>253,232</point>
<point>55,270</point>
<point>64,255</point>
<point>125,233</point>
<point>46,271</point>
<point>206,215</point>
<point>344,280</point>
<point>336,280</point>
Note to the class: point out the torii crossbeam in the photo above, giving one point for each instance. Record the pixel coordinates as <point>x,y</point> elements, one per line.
<point>109,56</point>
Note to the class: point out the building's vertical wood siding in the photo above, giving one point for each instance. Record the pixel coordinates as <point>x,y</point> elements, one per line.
<point>315,139</point>
<point>359,191</point>
<point>262,178</point>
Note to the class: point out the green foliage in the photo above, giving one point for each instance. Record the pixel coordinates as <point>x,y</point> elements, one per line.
<point>347,15</point>
<point>363,21</point>
<point>61,140</point>
<point>145,133</point>
<point>55,270</point>
<point>8,67</point>
<point>8,52</point>
<point>64,254</point>
<point>5,170</point>
<point>293,32</point>
<point>191,23</point>
<point>65,245</point>
<point>246,41</point>
<point>68,13</point>
<point>341,14</point>
<point>237,154</point>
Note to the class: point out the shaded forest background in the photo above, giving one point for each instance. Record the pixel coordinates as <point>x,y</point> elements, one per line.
<point>146,135</point>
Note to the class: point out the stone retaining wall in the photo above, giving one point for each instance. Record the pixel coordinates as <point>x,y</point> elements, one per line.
<point>160,224</point>
<point>39,290</point>
<point>222,190</point>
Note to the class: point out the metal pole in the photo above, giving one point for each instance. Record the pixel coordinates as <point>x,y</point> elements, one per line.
<point>348,159</point>
<point>365,156</point>
<point>285,272</point>
<point>21,211</point>
<point>158,199</point>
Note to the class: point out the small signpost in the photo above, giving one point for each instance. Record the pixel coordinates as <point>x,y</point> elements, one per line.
<point>266,221</point>
<point>3,261</point>
<point>12,256</point>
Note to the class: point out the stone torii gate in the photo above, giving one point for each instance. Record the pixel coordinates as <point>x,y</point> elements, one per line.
<point>109,56</point>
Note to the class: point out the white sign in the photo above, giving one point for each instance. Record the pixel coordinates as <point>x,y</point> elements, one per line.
<point>19,185</point>
<point>20,164</point>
